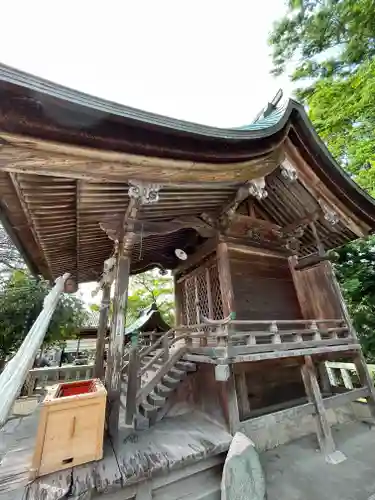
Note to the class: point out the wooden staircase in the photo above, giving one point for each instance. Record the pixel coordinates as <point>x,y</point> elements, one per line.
<point>155,371</point>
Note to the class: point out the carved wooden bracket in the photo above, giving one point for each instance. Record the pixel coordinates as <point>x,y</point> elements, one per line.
<point>257,188</point>
<point>144,228</point>
<point>288,171</point>
<point>330,215</point>
<point>144,192</point>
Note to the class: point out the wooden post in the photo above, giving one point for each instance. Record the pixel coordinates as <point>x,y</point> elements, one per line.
<point>323,429</point>
<point>116,342</point>
<point>226,288</point>
<point>324,378</point>
<point>243,397</point>
<point>209,294</point>
<point>102,329</point>
<point>223,267</point>
<point>178,293</point>
<point>228,399</point>
<point>131,395</point>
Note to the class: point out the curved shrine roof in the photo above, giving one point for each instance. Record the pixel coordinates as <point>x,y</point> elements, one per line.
<point>66,159</point>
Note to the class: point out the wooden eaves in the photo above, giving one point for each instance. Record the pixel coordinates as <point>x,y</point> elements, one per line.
<point>66,161</point>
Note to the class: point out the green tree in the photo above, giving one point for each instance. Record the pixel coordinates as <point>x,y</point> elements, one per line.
<point>342,111</point>
<point>355,269</point>
<point>148,288</point>
<point>331,45</point>
<point>21,301</point>
<point>10,259</point>
<point>322,38</point>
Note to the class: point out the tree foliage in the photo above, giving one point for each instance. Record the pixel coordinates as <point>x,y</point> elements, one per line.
<point>148,288</point>
<point>10,259</point>
<point>342,110</point>
<point>324,38</point>
<point>21,301</point>
<point>355,269</point>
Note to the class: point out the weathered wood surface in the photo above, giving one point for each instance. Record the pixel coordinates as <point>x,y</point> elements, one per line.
<point>314,395</point>
<point>226,286</point>
<point>316,291</point>
<point>15,372</point>
<point>116,342</point>
<point>102,329</point>
<point>57,159</point>
<point>172,444</point>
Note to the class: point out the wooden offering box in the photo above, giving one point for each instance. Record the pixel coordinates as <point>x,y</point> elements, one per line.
<point>71,426</point>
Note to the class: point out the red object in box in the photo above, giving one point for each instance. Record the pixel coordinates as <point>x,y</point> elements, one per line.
<point>75,388</point>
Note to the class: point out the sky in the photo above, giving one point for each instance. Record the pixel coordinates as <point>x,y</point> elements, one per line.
<point>200,60</point>
<point>204,61</point>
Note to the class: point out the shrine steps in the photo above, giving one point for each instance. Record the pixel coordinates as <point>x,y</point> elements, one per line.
<point>155,404</point>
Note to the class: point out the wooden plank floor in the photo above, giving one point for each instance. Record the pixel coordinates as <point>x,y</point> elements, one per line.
<point>171,444</point>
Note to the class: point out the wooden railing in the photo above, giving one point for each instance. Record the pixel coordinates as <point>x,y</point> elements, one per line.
<point>15,372</point>
<point>345,374</point>
<point>39,378</point>
<point>262,336</point>
<point>225,339</point>
<point>163,355</point>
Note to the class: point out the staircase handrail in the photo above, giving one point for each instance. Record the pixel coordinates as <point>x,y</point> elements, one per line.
<point>15,372</point>
<point>143,392</point>
<point>152,347</point>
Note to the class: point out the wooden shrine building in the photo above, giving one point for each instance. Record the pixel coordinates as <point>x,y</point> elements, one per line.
<point>87,183</point>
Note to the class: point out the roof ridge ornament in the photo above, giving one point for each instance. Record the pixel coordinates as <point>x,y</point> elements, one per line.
<point>146,193</point>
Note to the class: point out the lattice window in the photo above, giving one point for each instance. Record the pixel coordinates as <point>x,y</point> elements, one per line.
<point>189,309</point>
<point>217,303</point>
<point>202,287</point>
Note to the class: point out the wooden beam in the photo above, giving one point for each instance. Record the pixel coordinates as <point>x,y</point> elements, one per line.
<point>102,330</point>
<point>345,397</point>
<point>34,156</point>
<point>314,396</point>
<point>309,261</point>
<point>239,245</point>
<point>326,351</point>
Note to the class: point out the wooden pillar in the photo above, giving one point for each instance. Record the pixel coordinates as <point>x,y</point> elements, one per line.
<point>178,299</point>
<point>133,385</point>
<point>323,429</point>
<point>227,395</point>
<point>116,342</point>
<point>243,396</point>
<point>226,288</point>
<point>102,329</point>
<point>324,378</point>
